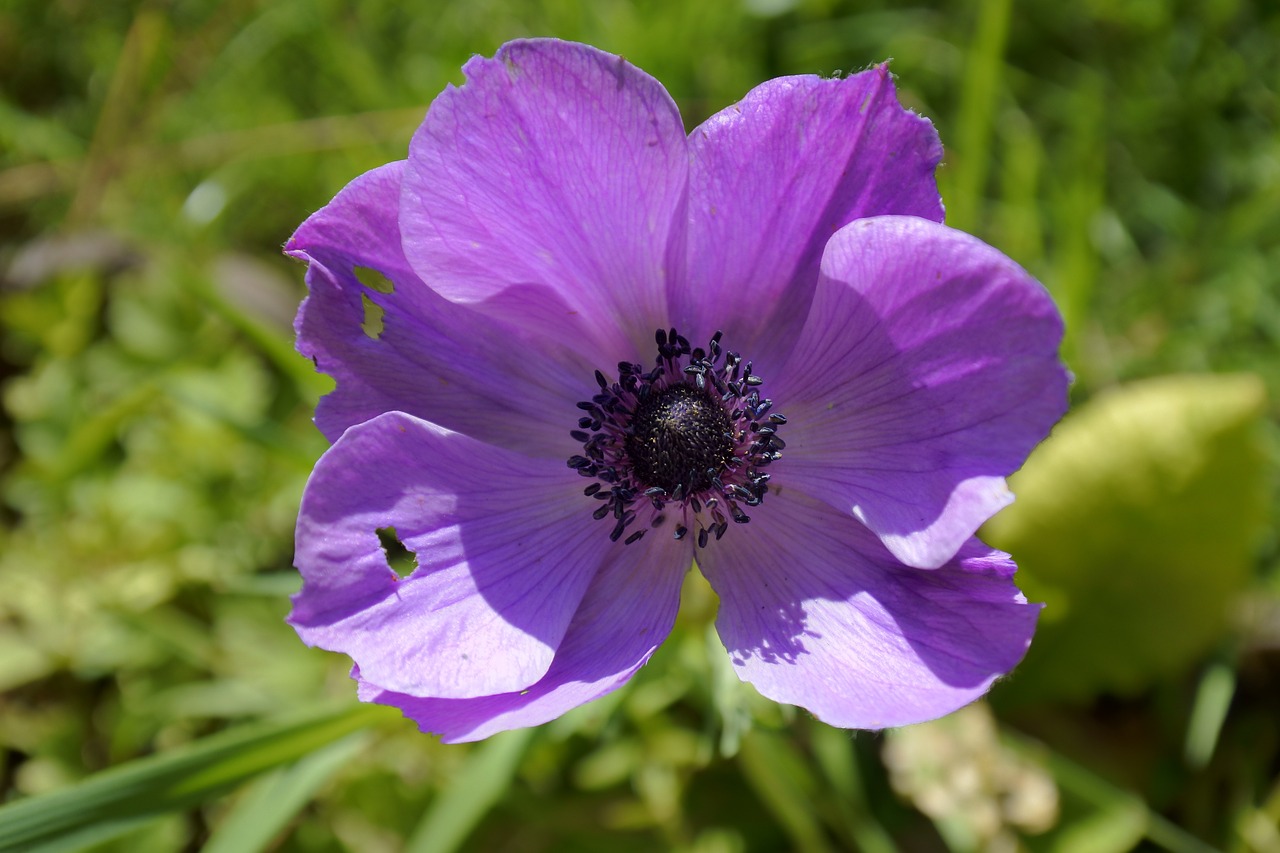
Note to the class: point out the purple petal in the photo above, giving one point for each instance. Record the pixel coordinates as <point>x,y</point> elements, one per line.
<point>816,613</point>
<point>626,614</point>
<point>926,372</point>
<point>772,178</point>
<point>505,544</point>
<point>556,173</point>
<point>434,359</point>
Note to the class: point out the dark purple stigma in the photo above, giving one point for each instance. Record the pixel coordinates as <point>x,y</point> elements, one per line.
<point>685,440</point>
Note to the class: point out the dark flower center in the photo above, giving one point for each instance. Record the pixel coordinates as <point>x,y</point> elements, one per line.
<point>685,439</point>
<point>677,436</point>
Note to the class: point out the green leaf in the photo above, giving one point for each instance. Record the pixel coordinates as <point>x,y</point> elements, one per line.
<point>482,782</point>
<point>1208,713</point>
<point>1112,830</point>
<point>119,799</point>
<point>274,800</point>
<point>1122,817</point>
<point>833,749</point>
<point>782,780</point>
<point>1136,524</point>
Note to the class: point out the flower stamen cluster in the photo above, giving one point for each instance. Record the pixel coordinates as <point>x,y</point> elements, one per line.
<point>686,438</point>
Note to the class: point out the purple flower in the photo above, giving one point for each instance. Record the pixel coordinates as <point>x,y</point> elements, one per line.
<point>566,403</point>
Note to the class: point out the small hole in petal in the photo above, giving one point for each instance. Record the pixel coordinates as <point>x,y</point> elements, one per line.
<point>399,558</point>
<point>374,280</point>
<point>372,323</point>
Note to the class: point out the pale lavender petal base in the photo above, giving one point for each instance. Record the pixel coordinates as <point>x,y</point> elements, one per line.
<point>506,549</point>
<point>815,612</point>
<point>926,372</point>
<point>556,172</point>
<point>772,178</point>
<point>433,358</point>
<point>626,614</point>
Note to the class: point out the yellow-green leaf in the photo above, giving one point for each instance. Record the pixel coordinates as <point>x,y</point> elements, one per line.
<point>1137,524</point>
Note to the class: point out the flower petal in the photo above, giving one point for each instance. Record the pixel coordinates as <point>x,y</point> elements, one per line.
<point>433,358</point>
<point>816,613</point>
<point>626,614</point>
<point>506,548</point>
<point>925,374</point>
<point>772,178</point>
<point>557,172</point>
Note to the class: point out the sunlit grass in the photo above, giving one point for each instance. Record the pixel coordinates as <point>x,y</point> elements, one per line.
<point>154,159</point>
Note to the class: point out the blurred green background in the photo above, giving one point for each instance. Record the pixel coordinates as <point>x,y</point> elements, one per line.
<point>155,156</point>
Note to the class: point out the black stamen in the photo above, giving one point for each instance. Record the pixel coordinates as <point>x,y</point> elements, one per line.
<point>691,431</point>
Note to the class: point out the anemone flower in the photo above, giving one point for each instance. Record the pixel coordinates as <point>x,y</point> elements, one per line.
<point>551,329</point>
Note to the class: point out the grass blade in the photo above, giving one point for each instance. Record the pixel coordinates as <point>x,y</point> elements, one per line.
<point>784,784</point>
<point>273,801</point>
<point>126,795</point>
<point>485,778</point>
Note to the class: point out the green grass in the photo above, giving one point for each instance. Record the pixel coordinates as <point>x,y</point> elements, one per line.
<point>156,435</point>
